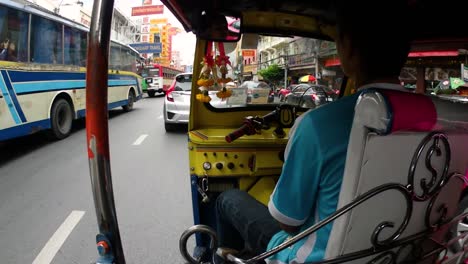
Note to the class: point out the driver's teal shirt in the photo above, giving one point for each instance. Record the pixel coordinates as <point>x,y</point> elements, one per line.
<point>309,185</point>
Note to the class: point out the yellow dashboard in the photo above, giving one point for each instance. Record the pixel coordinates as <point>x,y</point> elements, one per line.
<point>256,155</point>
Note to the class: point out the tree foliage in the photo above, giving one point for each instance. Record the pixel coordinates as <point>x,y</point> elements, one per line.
<point>272,74</point>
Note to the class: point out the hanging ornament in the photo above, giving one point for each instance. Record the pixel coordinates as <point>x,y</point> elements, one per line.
<point>222,61</point>
<point>224,93</point>
<point>203,97</point>
<point>206,78</point>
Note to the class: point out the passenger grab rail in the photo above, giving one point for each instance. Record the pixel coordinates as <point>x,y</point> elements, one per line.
<point>97,135</point>
<point>188,233</point>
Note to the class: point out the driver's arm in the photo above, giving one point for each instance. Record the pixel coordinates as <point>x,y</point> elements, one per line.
<point>293,200</point>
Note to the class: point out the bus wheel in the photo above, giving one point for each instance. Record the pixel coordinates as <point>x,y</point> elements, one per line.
<point>151,93</point>
<point>131,100</point>
<point>61,119</point>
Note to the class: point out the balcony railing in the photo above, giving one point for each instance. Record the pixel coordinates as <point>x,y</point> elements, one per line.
<point>289,61</point>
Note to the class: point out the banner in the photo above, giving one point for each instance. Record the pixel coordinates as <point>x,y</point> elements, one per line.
<point>456,82</point>
<point>147,10</point>
<point>174,31</point>
<point>154,30</point>
<point>157,21</point>
<point>464,73</point>
<point>147,47</point>
<point>248,53</point>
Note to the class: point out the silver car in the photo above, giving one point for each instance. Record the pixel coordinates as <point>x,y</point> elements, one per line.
<point>177,102</point>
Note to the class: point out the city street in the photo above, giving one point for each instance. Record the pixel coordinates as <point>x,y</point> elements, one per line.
<point>46,206</point>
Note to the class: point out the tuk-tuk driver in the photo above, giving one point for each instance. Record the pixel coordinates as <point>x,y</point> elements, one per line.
<point>308,188</point>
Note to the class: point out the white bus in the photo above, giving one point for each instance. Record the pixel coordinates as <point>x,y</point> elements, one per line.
<point>42,71</point>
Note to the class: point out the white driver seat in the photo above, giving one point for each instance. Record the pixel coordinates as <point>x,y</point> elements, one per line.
<point>388,128</point>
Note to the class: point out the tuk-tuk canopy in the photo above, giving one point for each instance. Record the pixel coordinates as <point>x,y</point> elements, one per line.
<point>433,20</point>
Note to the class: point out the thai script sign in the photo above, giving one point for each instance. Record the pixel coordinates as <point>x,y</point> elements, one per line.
<point>147,10</point>
<point>301,59</point>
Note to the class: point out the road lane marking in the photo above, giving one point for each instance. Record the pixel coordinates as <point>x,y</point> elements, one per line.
<point>58,238</point>
<point>140,139</point>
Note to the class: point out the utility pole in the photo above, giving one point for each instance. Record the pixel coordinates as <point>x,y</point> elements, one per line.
<point>286,61</point>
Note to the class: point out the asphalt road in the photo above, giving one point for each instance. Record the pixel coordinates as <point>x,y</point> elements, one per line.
<point>45,192</point>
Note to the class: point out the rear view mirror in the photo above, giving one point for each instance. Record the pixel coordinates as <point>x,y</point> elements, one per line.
<point>219,28</point>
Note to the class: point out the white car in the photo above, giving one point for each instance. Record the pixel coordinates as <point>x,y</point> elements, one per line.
<point>177,102</point>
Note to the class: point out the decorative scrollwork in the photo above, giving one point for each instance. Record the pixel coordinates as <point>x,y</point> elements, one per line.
<point>387,224</point>
<point>432,185</point>
<point>442,210</point>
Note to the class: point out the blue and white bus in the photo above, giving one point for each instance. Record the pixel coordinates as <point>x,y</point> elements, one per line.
<point>42,71</point>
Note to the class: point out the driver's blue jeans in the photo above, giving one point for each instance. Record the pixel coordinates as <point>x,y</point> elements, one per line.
<point>243,223</point>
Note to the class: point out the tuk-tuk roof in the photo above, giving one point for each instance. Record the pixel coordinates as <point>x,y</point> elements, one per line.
<point>434,19</point>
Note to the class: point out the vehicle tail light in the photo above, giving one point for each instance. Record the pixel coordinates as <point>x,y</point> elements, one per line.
<point>169,91</point>
<point>314,97</point>
<point>169,96</point>
<point>337,92</point>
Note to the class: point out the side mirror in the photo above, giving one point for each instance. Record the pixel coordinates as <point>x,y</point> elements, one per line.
<point>219,28</point>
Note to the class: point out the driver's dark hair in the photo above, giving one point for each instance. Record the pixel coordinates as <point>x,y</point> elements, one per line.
<point>379,32</point>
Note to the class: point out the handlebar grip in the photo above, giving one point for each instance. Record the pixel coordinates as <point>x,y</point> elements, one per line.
<point>237,133</point>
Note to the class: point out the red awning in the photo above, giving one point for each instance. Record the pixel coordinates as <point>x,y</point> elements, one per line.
<point>445,53</point>
<point>434,53</point>
<point>332,62</point>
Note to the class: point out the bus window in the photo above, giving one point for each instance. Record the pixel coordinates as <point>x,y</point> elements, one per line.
<point>73,46</point>
<point>84,47</point>
<point>46,41</point>
<point>115,56</point>
<point>13,34</point>
<point>127,59</point>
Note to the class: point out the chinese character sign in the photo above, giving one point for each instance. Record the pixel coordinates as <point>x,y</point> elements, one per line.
<point>145,29</point>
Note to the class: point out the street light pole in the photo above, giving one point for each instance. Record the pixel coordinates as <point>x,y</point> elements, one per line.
<point>462,70</point>
<point>286,60</point>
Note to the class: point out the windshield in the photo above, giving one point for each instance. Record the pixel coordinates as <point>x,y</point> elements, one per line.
<point>265,72</point>
<point>150,72</point>
<point>183,82</point>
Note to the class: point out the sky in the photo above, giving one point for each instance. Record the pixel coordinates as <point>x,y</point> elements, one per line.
<point>183,42</point>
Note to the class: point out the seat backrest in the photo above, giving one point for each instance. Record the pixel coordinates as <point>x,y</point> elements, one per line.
<point>396,139</point>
